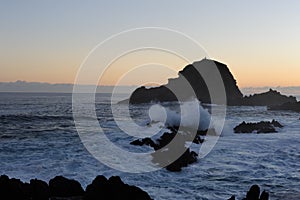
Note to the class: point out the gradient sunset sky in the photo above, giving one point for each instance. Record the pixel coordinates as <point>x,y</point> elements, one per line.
<point>46,41</point>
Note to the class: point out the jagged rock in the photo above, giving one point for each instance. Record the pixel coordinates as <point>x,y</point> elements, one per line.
<point>270,98</point>
<point>232,197</point>
<point>264,195</point>
<point>287,106</point>
<point>188,157</point>
<point>113,189</point>
<point>190,77</point>
<point>12,189</point>
<point>145,141</point>
<point>254,192</point>
<point>63,187</point>
<point>39,190</point>
<point>259,127</point>
<point>162,157</point>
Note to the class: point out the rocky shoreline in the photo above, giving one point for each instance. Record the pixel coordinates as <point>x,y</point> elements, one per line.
<point>61,188</point>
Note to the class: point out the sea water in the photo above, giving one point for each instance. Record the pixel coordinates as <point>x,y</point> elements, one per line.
<point>38,139</point>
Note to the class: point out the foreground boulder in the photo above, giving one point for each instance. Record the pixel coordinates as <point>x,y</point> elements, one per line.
<point>61,188</point>
<point>13,189</point>
<point>101,188</point>
<point>259,127</point>
<point>290,106</point>
<point>39,190</point>
<point>113,188</point>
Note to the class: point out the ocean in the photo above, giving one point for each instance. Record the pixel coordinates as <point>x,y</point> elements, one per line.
<point>38,139</point>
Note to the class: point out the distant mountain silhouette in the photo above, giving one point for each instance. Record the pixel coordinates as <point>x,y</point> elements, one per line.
<point>24,86</point>
<point>178,88</point>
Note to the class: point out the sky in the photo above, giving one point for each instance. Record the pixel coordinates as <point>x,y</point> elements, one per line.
<point>46,41</point>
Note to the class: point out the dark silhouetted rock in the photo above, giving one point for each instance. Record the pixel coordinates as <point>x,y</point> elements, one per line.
<point>63,187</point>
<point>232,197</point>
<point>190,77</point>
<point>270,98</point>
<point>12,189</point>
<point>162,156</point>
<point>190,84</point>
<point>39,190</point>
<point>264,196</point>
<point>254,192</point>
<point>290,106</point>
<point>137,142</point>
<point>113,189</point>
<point>188,157</point>
<point>259,127</point>
<point>145,141</point>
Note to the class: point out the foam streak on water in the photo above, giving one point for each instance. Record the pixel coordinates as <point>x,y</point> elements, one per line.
<point>38,139</point>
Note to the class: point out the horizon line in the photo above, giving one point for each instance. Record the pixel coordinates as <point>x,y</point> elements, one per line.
<point>59,83</point>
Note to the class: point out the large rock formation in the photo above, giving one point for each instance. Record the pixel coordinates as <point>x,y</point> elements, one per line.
<point>190,77</point>
<point>190,83</point>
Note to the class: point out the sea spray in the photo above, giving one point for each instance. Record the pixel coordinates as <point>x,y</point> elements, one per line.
<point>185,117</point>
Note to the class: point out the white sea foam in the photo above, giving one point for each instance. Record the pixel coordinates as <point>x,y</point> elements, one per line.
<point>185,118</point>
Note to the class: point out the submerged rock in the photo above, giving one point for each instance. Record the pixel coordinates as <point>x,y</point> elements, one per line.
<point>259,127</point>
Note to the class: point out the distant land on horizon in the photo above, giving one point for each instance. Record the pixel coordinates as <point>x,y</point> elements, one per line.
<point>44,87</point>
<point>24,86</point>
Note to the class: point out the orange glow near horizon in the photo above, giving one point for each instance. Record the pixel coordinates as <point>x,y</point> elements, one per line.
<point>246,76</point>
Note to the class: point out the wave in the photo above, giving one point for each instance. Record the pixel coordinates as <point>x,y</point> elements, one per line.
<point>185,118</point>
